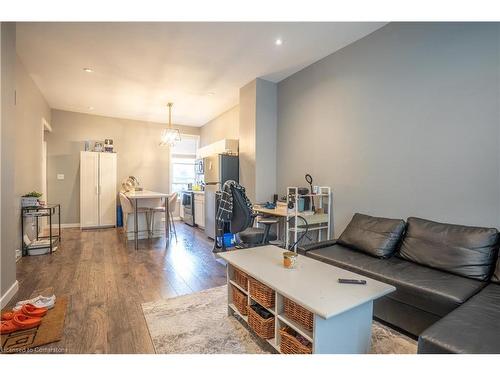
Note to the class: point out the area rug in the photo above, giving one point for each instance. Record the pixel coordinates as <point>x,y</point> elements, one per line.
<point>49,331</point>
<point>198,324</point>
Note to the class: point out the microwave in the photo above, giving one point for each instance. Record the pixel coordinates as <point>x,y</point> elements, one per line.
<point>198,166</point>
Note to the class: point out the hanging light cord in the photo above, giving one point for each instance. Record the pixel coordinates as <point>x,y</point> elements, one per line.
<point>170,115</point>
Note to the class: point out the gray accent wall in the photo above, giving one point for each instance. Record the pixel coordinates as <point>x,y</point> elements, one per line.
<point>265,140</point>
<point>8,202</point>
<point>404,122</point>
<point>137,145</point>
<point>258,134</point>
<point>247,131</point>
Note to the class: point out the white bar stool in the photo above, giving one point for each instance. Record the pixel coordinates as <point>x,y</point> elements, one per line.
<point>172,200</point>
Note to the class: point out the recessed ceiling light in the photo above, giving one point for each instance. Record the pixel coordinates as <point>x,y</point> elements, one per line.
<point>211,93</point>
<point>90,108</point>
<point>87,70</point>
<point>278,42</point>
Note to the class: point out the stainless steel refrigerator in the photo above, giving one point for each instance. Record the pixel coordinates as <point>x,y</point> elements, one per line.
<point>218,169</point>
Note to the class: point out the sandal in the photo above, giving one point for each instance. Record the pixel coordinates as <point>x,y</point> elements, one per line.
<point>8,315</point>
<point>33,311</point>
<point>39,301</point>
<point>7,326</point>
<point>28,310</point>
<point>19,322</point>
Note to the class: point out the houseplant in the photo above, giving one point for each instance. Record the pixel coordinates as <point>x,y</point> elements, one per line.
<point>31,199</point>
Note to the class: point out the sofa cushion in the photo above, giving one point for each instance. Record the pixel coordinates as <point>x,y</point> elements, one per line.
<point>428,289</point>
<point>472,328</point>
<point>462,250</point>
<point>375,236</point>
<point>496,275</point>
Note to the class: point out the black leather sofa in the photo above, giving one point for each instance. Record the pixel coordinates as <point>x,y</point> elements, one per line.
<point>442,273</point>
<point>472,328</point>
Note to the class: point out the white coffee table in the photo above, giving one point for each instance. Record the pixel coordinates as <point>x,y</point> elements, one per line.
<point>342,312</point>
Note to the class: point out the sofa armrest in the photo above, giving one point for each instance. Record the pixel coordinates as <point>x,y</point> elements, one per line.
<point>318,245</point>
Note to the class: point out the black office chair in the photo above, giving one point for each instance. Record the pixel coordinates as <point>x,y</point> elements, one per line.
<point>243,219</point>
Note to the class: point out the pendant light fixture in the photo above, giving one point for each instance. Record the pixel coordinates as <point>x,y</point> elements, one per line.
<point>170,136</point>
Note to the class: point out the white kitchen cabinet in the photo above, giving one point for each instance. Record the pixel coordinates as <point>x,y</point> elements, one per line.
<point>97,189</point>
<point>199,210</point>
<point>219,147</point>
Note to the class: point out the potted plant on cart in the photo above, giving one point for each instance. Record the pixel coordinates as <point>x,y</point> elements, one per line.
<point>31,199</point>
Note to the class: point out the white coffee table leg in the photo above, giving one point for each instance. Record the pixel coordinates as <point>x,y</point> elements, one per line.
<point>349,332</point>
<point>229,295</point>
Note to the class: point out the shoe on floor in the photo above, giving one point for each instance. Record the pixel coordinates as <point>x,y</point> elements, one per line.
<point>19,322</point>
<point>7,326</point>
<point>39,302</point>
<point>33,311</point>
<point>28,310</point>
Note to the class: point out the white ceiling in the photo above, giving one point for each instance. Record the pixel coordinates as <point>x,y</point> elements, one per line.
<point>139,67</point>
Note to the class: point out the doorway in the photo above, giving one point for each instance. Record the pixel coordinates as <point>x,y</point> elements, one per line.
<point>46,128</point>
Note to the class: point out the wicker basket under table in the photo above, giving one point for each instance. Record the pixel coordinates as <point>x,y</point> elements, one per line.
<point>261,293</point>
<point>240,278</point>
<point>298,314</point>
<point>264,328</point>
<point>240,300</point>
<point>290,345</point>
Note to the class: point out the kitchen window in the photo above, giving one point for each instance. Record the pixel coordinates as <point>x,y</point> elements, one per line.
<point>182,163</point>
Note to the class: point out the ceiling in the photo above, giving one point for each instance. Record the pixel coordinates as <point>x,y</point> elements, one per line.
<point>139,67</point>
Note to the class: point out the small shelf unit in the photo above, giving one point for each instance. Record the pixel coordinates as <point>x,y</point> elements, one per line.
<point>50,241</point>
<point>281,319</point>
<point>320,221</point>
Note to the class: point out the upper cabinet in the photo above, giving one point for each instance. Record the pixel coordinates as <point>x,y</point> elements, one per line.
<point>220,147</point>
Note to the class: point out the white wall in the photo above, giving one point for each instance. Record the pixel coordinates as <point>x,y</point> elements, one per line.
<point>226,125</point>
<point>137,145</point>
<point>247,146</point>
<point>23,108</point>
<point>31,108</point>
<point>403,122</point>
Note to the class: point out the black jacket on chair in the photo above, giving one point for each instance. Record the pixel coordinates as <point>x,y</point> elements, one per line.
<point>241,217</point>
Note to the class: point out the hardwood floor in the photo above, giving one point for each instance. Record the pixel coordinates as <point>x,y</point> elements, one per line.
<point>107,281</point>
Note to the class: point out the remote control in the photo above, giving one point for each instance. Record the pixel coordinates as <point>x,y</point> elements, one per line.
<point>352,281</point>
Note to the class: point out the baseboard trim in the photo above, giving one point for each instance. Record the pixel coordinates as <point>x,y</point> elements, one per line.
<point>5,299</point>
<point>70,225</point>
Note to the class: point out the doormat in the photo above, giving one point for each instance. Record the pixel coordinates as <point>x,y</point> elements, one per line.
<point>49,331</point>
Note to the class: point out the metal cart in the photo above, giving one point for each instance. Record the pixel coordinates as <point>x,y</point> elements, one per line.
<point>49,211</point>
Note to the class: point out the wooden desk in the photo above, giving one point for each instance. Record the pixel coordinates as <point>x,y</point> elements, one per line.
<point>135,197</point>
<point>280,211</point>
